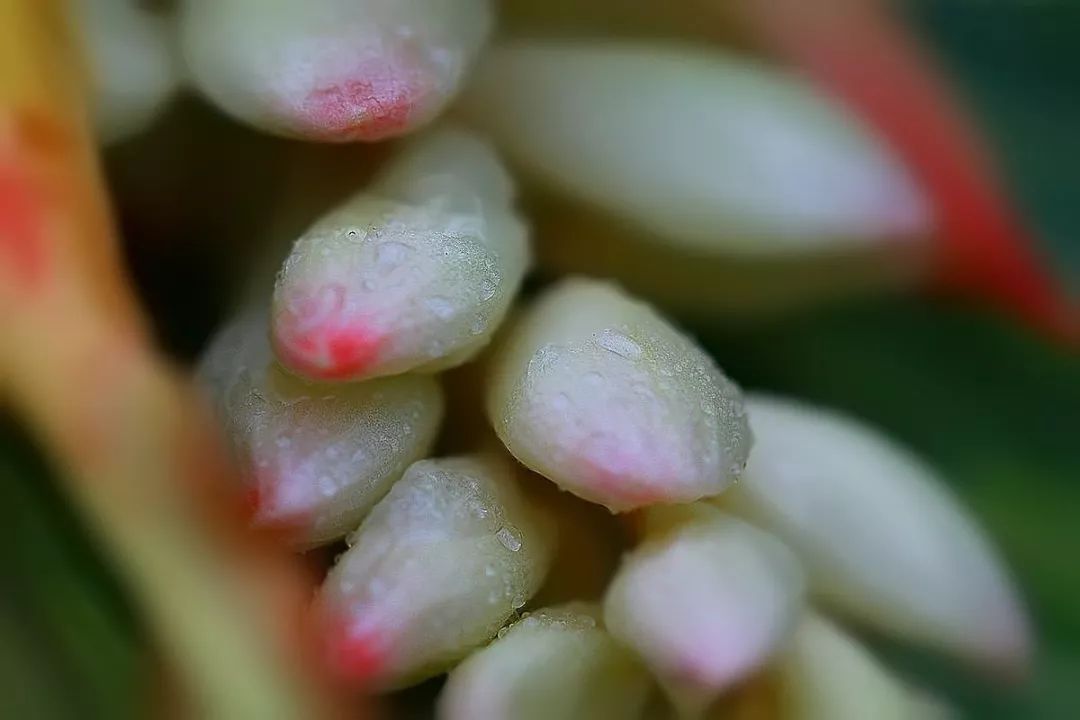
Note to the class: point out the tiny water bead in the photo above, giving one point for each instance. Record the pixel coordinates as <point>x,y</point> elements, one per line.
<point>620,344</point>
<point>509,539</point>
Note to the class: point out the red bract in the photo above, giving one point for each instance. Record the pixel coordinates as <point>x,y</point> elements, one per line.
<point>864,55</point>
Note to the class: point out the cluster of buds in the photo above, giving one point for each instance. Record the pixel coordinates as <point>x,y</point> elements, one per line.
<point>706,541</point>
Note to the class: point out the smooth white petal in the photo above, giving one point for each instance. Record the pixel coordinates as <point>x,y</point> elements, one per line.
<point>881,537</point>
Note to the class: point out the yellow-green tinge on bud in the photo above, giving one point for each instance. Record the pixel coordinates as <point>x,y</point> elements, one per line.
<point>133,68</point>
<point>554,664</point>
<point>826,675</point>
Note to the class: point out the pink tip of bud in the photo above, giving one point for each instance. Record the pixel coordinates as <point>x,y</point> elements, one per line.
<point>315,337</point>
<point>622,480</point>
<point>619,486</point>
<point>717,666</point>
<point>264,509</point>
<point>380,97</point>
<point>355,654</point>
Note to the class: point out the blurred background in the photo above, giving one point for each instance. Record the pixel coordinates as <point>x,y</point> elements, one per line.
<point>994,407</point>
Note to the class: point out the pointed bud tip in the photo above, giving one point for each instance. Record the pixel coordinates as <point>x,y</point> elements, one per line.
<point>322,340</point>
<point>353,654</point>
<point>369,106</point>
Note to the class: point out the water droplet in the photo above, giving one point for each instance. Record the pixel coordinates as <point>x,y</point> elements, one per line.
<point>502,632</point>
<point>518,601</point>
<point>560,402</point>
<point>546,354</point>
<point>488,288</point>
<point>327,486</point>
<point>620,344</point>
<point>478,325</point>
<point>440,306</point>
<point>389,255</point>
<point>509,539</point>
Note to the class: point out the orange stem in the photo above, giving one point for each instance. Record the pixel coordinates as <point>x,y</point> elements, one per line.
<point>137,452</point>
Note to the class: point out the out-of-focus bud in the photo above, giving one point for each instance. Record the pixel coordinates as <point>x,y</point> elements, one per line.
<point>435,570</point>
<point>705,600</point>
<point>704,286</point>
<point>711,153</point>
<point>318,456</point>
<point>554,664</point>
<point>854,48</point>
<point>603,396</point>
<point>880,537</point>
<point>826,675</point>
<point>414,273</point>
<point>332,70</point>
<point>132,64</point>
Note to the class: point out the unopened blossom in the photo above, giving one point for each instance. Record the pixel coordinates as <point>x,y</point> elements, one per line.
<point>412,273</point>
<point>436,568</point>
<point>556,662</point>
<point>332,70</point>
<point>133,68</point>
<point>705,600</point>
<point>881,537</point>
<point>599,393</point>
<point>316,456</point>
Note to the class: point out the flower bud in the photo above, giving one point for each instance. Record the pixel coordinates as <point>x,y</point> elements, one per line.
<point>554,663</point>
<point>414,273</point>
<point>435,570</point>
<point>706,600</point>
<point>879,535</point>
<point>318,456</point>
<point>826,675</point>
<point>600,394</point>
<point>712,153</point>
<point>133,70</point>
<point>332,70</point>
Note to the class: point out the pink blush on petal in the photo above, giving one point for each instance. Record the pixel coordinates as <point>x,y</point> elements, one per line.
<point>381,97</point>
<point>322,341</point>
